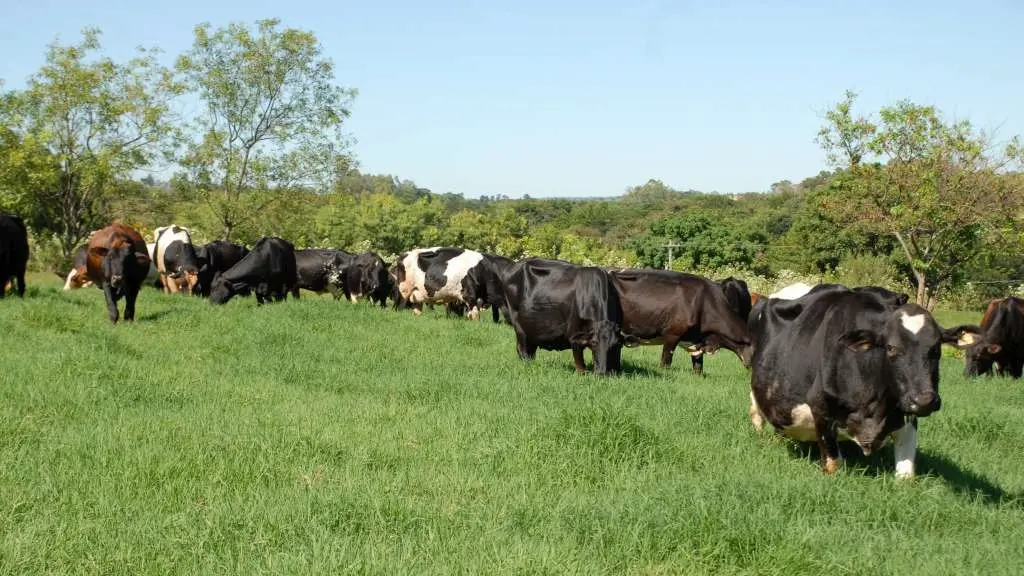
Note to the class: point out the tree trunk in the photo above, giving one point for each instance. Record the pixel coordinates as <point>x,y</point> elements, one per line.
<point>922,289</point>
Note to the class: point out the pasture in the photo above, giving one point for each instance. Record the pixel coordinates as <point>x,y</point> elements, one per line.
<point>326,437</point>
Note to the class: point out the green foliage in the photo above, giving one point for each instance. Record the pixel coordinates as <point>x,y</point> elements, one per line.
<point>934,186</point>
<point>82,123</point>
<point>272,118</point>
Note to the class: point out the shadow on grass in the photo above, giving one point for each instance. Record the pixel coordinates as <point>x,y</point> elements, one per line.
<point>882,463</point>
<point>154,316</point>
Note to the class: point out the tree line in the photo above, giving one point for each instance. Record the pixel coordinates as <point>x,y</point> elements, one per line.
<point>250,122</point>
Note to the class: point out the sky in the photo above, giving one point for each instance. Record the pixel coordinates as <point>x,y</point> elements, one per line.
<point>587,97</point>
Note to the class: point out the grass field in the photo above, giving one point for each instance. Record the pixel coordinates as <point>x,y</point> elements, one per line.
<point>325,437</point>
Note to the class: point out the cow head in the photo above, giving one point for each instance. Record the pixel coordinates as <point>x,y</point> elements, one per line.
<point>221,291</point>
<point>375,277</point>
<point>606,345</point>
<point>909,346</point>
<point>120,264</point>
<point>978,359</point>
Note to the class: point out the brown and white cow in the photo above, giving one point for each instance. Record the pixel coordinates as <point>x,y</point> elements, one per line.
<point>118,262</point>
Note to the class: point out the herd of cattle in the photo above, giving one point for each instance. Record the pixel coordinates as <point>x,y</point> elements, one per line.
<point>828,363</point>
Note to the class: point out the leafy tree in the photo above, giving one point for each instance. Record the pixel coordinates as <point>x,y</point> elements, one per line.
<point>933,185</point>
<point>82,124</point>
<point>272,121</point>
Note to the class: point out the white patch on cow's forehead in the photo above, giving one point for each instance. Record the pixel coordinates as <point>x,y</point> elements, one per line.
<point>912,322</point>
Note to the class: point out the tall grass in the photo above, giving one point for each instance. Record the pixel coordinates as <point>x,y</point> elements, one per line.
<point>324,437</point>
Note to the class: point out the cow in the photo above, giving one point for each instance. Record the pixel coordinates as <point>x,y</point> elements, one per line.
<point>118,262</point>
<point>444,275</point>
<point>215,258</point>
<point>667,307</point>
<point>501,265</point>
<point>740,301</point>
<point>13,253</point>
<point>368,276</point>
<point>841,364</point>
<point>269,270</point>
<point>78,276</point>
<point>176,259</point>
<point>555,305</point>
<point>321,270</point>
<point>1002,342</point>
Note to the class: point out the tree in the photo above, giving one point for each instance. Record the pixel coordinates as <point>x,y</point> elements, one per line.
<point>934,186</point>
<point>80,126</point>
<point>272,121</point>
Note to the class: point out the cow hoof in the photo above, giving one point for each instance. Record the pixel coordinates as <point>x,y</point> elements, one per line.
<point>416,312</point>
<point>832,465</point>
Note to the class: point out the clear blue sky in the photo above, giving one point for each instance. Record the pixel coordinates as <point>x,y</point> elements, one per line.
<point>587,97</point>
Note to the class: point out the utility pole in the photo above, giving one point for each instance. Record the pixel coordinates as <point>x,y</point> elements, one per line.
<point>670,246</point>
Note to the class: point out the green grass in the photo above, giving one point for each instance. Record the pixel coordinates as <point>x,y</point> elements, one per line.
<point>325,437</point>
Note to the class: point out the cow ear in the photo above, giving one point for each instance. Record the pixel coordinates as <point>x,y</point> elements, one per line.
<point>962,336</point>
<point>860,340</point>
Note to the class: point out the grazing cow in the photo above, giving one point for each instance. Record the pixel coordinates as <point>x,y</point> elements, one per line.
<point>554,305</point>
<point>176,259</point>
<point>667,307</point>
<point>501,265</point>
<point>78,277</point>
<point>13,253</point>
<point>269,270</point>
<point>215,258</point>
<point>118,262</point>
<point>740,302</point>
<point>1002,342</point>
<point>321,270</point>
<point>368,276</point>
<point>444,275</point>
<point>842,364</point>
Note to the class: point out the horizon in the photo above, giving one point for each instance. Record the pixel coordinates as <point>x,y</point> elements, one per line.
<point>584,100</point>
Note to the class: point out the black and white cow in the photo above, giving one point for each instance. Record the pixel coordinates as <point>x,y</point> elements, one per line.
<point>1002,343</point>
<point>13,253</point>
<point>554,305</point>
<point>268,270</point>
<point>840,364</point>
<point>323,270</point>
<point>443,275</point>
<point>368,276</point>
<point>176,259</point>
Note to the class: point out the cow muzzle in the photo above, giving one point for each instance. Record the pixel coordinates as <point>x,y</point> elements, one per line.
<point>924,403</point>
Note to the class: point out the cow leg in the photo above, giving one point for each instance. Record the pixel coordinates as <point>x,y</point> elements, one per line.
<point>828,444</point>
<point>417,309</point>
<point>527,350</point>
<point>474,312</point>
<point>697,361</point>
<point>21,284</point>
<point>755,413</point>
<point>905,449</point>
<point>112,312</point>
<point>668,349</point>
<point>129,304</point>
<point>577,359</point>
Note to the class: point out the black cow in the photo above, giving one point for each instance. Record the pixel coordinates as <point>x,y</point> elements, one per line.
<point>890,297</point>
<point>845,364</point>
<point>444,275</point>
<point>737,294</point>
<point>323,270</point>
<point>269,270</point>
<point>1002,342</point>
<point>118,261</point>
<point>554,305</point>
<point>501,265</point>
<point>368,276</point>
<point>215,258</point>
<point>667,307</point>
<point>13,253</point>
